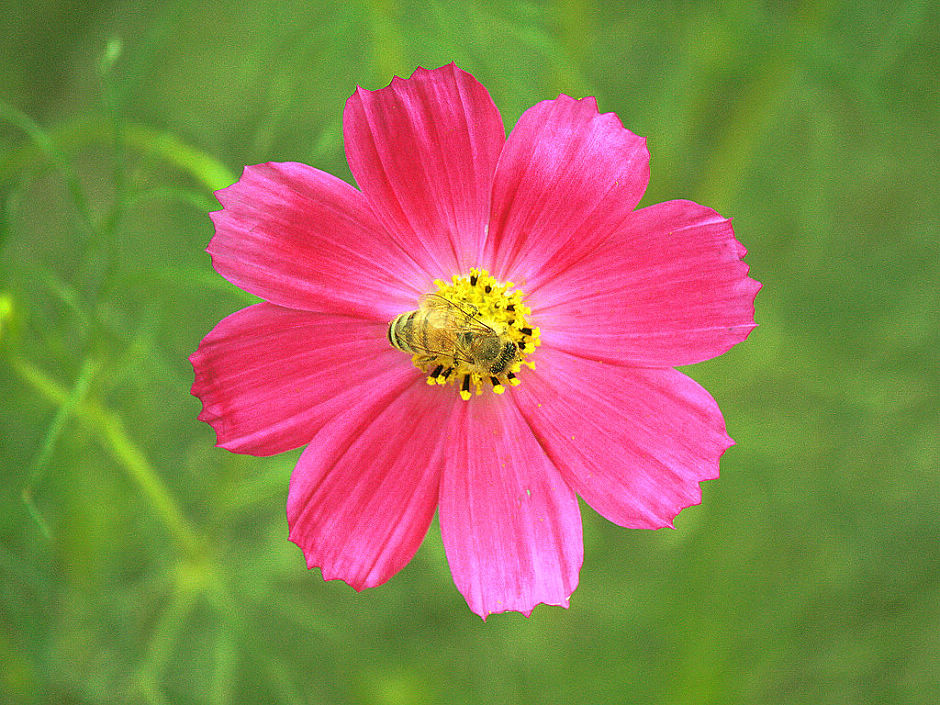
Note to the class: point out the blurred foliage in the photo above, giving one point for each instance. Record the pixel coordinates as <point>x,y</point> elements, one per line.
<point>138,563</point>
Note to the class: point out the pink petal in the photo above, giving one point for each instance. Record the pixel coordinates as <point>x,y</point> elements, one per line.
<point>423,150</point>
<point>669,288</point>
<point>565,179</point>
<point>633,442</point>
<point>301,238</point>
<point>270,377</point>
<point>365,489</point>
<point>510,524</point>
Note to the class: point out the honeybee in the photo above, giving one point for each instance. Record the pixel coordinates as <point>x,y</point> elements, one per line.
<point>447,331</point>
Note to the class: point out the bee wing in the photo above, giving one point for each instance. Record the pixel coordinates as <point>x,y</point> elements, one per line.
<point>439,319</point>
<point>436,302</point>
<point>465,314</point>
<point>461,317</point>
<point>460,353</point>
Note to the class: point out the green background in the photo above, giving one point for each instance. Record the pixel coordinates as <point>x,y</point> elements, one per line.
<point>138,563</point>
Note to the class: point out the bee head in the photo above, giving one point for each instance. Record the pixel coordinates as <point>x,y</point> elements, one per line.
<point>504,358</point>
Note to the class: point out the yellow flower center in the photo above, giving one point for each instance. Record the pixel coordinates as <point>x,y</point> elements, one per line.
<point>472,332</point>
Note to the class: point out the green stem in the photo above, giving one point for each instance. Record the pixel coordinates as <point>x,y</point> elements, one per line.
<point>81,133</point>
<point>166,633</point>
<point>43,144</point>
<point>41,461</point>
<point>110,428</point>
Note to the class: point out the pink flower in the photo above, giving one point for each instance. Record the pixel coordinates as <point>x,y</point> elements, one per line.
<point>585,401</point>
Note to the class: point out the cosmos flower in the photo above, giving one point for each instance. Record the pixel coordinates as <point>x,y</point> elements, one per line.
<point>539,364</point>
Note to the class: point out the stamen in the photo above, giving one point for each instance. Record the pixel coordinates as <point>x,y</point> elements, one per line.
<point>472,329</point>
<point>465,388</point>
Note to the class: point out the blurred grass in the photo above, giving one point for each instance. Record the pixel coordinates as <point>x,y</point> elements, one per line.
<point>140,564</point>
